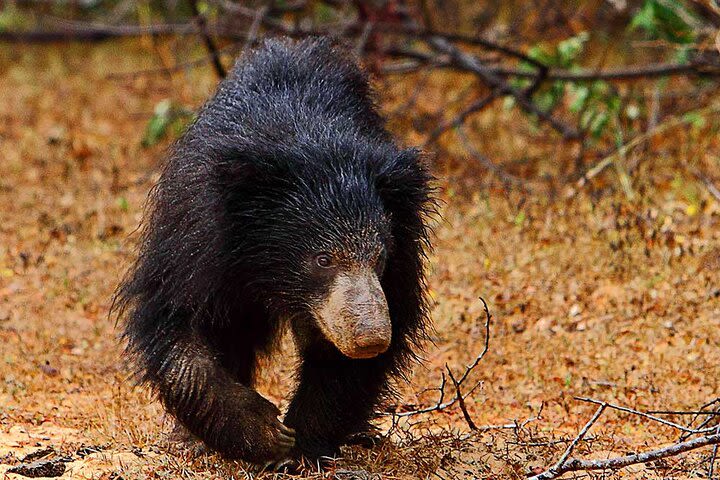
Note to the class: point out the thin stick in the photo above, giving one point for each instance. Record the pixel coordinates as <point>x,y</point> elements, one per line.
<point>623,150</point>
<point>714,191</point>
<point>711,467</point>
<point>559,465</point>
<point>647,415</point>
<point>207,39</point>
<point>461,401</point>
<point>460,118</point>
<point>260,14</point>
<point>175,68</point>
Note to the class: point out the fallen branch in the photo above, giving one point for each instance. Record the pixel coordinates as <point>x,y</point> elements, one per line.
<point>557,469</point>
<point>574,464</point>
<point>709,436</point>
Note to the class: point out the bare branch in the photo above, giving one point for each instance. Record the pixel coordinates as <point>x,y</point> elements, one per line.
<point>557,469</point>
<point>461,400</point>
<point>567,464</point>
<point>471,63</point>
<point>486,347</point>
<point>175,68</point>
<point>580,436</point>
<point>260,14</point>
<point>574,465</point>
<point>460,118</point>
<point>713,457</point>
<point>711,187</point>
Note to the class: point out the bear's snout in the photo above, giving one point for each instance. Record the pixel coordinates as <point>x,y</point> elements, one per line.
<point>355,316</point>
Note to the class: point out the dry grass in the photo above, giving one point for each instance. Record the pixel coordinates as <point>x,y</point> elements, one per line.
<point>591,295</point>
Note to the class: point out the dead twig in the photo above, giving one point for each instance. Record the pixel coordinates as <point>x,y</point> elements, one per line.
<point>634,72</point>
<point>460,118</point>
<point>713,457</point>
<point>558,469</point>
<point>640,139</point>
<point>459,397</point>
<point>709,436</point>
<point>461,400</point>
<point>172,69</point>
<point>711,187</point>
<point>251,38</point>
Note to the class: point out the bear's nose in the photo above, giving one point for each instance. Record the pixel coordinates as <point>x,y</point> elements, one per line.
<point>373,331</point>
<point>368,346</point>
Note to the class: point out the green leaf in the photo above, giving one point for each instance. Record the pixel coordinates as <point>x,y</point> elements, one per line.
<point>580,94</point>
<point>665,19</point>
<point>695,119</point>
<point>569,49</point>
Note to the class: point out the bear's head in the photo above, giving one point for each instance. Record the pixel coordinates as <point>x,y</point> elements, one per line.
<point>315,238</point>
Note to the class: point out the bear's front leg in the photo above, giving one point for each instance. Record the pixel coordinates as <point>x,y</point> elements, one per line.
<point>227,416</point>
<point>335,398</point>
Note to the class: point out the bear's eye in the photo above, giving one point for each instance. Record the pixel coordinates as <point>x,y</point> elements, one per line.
<point>324,260</point>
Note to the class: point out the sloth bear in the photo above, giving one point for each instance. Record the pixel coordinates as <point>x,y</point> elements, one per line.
<point>285,204</point>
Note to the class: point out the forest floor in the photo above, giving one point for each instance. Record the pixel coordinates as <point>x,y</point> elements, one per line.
<point>593,292</point>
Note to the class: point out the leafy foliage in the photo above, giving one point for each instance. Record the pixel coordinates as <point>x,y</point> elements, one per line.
<point>595,102</point>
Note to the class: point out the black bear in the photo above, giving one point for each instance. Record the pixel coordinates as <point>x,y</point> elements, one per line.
<point>285,204</point>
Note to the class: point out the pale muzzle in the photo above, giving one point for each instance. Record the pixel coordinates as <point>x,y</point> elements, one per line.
<point>354,316</point>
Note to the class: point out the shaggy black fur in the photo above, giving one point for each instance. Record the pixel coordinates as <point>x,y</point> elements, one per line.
<point>289,158</point>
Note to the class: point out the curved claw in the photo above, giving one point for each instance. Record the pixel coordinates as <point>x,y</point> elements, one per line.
<point>286,465</point>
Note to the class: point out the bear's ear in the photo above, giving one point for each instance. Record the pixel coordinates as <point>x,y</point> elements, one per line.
<point>405,183</point>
